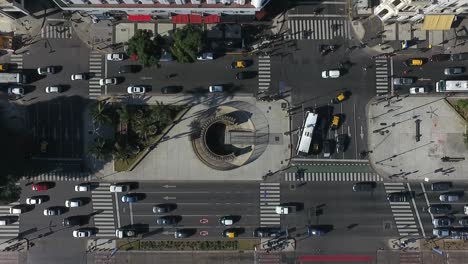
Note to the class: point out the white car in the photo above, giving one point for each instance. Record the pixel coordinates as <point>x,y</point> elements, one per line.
<point>206,56</point>
<point>465,209</point>
<point>53,89</point>
<point>73,203</point>
<point>216,88</point>
<point>331,74</point>
<point>16,210</point>
<point>83,187</point>
<point>78,76</point>
<point>283,210</point>
<point>46,70</point>
<point>82,232</point>
<point>108,81</point>
<point>417,90</point>
<point>34,200</point>
<point>119,188</point>
<point>16,91</point>
<point>115,57</point>
<point>136,90</point>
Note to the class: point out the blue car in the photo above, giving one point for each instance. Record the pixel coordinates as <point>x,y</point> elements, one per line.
<point>315,231</point>
<point>128,198</point>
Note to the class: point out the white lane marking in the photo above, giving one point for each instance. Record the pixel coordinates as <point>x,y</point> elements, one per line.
<point>427,200</point>
<point>131,213</point>
<point>117,209</point>
<point>416,211</point>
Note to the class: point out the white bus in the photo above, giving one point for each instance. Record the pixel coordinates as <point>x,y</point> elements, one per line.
<point>305,140</point>
<point>443,86</point>
<point>16,78</point>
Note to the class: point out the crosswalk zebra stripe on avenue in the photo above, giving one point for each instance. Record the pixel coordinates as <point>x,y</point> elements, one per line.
<point>402,211</point>
<point>269,199</point>
<point>102,202</point>
<point>332,176</point>
<point>318,29</point>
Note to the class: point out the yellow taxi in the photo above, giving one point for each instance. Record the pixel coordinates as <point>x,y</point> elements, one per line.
<point>239,64</point>
<point>339,98</point>
<point>415,62</point>
<point>230,233</point>
<point>335,122</point>
<point>3,67</point>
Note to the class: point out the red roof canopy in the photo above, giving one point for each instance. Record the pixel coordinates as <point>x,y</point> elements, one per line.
<point>139,17</point>
<point>180,19</point>
<point>211,19</point>
<point>195,19</point>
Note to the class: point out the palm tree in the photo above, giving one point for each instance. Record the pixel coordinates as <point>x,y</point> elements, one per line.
<point>124,114</point>
<point>122,151</point>
<point>100,149</point>
<point>99,113</point>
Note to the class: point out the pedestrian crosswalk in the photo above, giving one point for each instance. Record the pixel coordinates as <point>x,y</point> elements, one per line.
<point>410,258</point>
<point>332,176</point>
<point>264,73</point>
<point>381,75</point>
<point>11,230</point>
<point>103,208</point>
<point>269,199</point>
<point>268,258</point>
<point>56,32</point>
<point>17,59</point>
<point>95,68</point>
<point>318,28</point>
<point>14,257</point>
<point>58,176</point>
<point>402,212</point>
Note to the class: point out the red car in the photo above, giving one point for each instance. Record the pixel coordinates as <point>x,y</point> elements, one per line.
<point>40,186</point>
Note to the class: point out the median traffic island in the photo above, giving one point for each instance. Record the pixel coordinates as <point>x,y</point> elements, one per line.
<point>187,245</point>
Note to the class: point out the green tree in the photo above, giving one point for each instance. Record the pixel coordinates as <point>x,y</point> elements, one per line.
<point>9,191</point>
<point>99,112</point>
<point>100,149</point>
<point>188,42</point>
<point>123,151</point>
<point>146,47</point>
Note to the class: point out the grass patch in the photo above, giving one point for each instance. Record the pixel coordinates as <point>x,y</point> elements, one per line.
<point>124,165</point>
<point>126,245</point>
<point>247,244</point>
<point>188,245</point>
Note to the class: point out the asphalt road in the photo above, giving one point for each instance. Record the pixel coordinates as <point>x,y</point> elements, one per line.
<point>191,77</point>
<point>200,205</point>
<point>356,220</point>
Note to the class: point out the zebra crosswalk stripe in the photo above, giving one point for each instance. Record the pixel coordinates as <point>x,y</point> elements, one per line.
<point>269,197</point>
<point>102,201</point>
<point>318,28</point>
<point>332,176</point>
<point>17,59</point>
<point>95,66</point>
<point>58,176</point>
<point>402,211</point>
<point>381,76</point>
<point>264,73</point>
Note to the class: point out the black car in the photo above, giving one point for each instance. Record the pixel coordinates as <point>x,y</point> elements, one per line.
<point>404,196</point>
<point>267,232</point>
<point>129,69</point>
<point>327,148</point>
<point>245,75</point>
<point>439,57</point>
<point>167,220</point>
<point>171,89</point>
<point>440,208</point>
<point>364,186</point>
<point>342,142</point>
<point>71,221</point>
<point>463,221</point>
<point>459,56</point>
<point>441,186</point>
<point>163,208</point>
<point>183,233</point>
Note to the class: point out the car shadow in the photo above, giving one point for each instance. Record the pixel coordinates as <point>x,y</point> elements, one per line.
<point>84,200</point>
<point>45,198</point>
<point>153,232</point>
<point>140,196</point>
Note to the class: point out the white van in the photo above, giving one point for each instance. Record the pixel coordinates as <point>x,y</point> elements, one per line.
<point>16,210</point>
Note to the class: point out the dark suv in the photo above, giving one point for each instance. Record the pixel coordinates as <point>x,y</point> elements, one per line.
<point>459,56</point>
<point>441,186</point>
<point>129,69</point>
<point>440,208</point>
<point>439,57</point>
<point>267,232</point>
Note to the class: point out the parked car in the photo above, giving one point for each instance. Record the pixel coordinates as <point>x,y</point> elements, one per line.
<point>53,211</point>
<point>136,90</point>
<point>267,232</point>
<point>440,208</point>
<point>231,233</point>
<point>441,232</point>
<point>465,209</point>
<point>315,231</point>
<point>115,57</point>
<point>442,221</point>
<point>83,187</point>
<point>74,202</point>
<point>415,62</point>
<point>53,89</point>
<point>417,90</point>
<point>129,69</point>
<point>403,196</point>
<point>335,73</point>
<point>439,57</point>
<point>72,221</point>
<point>449,197</point>
<point>129,198</point>
<point>124,232</point>
<point>34,200</point>
<point>463,221</point>
<point>108,81</point>
<point>167,220</point>
<point>216,89</point>
<point>459,56</point>
<point>173,89</point>
<point>205,56</point>
<point>403,81</point>
<point>79,76</point>
<point>17,209</point>
<point>46,70</point>
<point>83,232</point>
<point>327,148</point>
<point>163,208</point>
<point>342,142</point>
<point>119,187</point>
<point>368,186</point>
<point>441,186</point>
<point>227,220</point>
<point>454,70</point>
<point>18,91</point>
<point>40,186</point>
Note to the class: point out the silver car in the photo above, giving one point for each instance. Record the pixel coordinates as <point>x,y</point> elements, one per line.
<point>449,197</point>
<point>442,221</point>
<point>403,81</point>
<point>454,70</point>
<point>441,232</point>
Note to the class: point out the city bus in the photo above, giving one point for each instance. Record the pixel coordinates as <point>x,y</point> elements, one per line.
<point>443,86</point>
<point>12,78</point>
<point>305,139</point>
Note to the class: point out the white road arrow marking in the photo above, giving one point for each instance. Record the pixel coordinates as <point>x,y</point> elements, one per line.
<point>169,186</point>
<point>349,131</point>
<point>362,133</point>
<point>169,198</point>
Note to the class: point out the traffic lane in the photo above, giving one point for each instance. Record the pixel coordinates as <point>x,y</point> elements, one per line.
<point>201,209</point>
<point>201,231</point>
<point>35,222</point>
<point>204,186</point>
<point>197,219</point>
<point>192,77</point>
<point>197,197</point>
